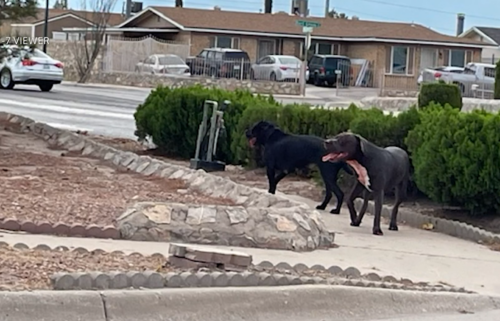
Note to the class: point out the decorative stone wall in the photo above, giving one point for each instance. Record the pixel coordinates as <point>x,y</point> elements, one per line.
<point>65,52</point>
<point>277,228</point>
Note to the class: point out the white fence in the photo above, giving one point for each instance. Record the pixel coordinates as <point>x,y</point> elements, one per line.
<point>123,55</point>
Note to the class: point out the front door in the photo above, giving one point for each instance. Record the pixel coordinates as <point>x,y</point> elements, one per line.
<point>428,58</point>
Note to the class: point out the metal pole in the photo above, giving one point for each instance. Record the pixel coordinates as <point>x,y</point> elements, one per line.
<point>46,26</point>
<point>201,130</point>
<point>128,8</point>
<point>212,131</point>
<point>304,64</point>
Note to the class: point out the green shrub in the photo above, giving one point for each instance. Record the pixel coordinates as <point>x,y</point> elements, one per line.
<point>440,93</point>
<point>496,94</point>
<point>171,117</point>
<point>455,156</point>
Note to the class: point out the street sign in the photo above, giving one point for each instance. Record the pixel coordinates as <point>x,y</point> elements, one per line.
<point>307,29</point>
<point>311,24</point>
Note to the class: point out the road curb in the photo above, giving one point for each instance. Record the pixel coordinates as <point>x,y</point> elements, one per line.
<point>313,302</point>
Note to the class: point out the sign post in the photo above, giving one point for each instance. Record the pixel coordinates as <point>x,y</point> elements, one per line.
<point>307,29</point>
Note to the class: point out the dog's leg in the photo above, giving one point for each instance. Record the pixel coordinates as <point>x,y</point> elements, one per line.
<point>366,197</point>
<point>325,175</point>
<point>340,197</point>
<point>279,177</point>
<point>355,192</point>
<point>271,179</point>
<point>379,199</point>
<point>400,195</point>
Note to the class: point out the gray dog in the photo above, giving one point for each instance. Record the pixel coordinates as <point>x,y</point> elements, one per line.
<point>378,169</point>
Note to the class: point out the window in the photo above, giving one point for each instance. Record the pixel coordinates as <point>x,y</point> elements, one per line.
<point>457,57</point>
<point>57,35</point>
<point>225,42</point>
<point>325,48</point>
<point>489,72</point>
<point>203,54</point>
<point>74,36</point>
<point>170,60</point>
<point>400,60</point>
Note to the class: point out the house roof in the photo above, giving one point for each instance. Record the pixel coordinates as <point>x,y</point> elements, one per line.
<point>114,18</point>
<point>493,33</point>
<point>284,24</point>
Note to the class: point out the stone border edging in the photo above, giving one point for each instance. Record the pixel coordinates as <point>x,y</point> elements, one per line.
<point>453,228</point>
<point>266,274</point>
<point>73,230</point>
<point>154,280</point>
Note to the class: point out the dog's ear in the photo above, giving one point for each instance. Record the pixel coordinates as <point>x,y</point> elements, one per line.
<point>268,130</point>
<point>363,144</point>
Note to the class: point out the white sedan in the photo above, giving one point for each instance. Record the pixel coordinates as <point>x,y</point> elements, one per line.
<point>277,68</point>
<point>163,64</point>
<point>29,66</point>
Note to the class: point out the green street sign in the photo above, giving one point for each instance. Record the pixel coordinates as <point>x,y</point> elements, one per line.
<point>311,24</point>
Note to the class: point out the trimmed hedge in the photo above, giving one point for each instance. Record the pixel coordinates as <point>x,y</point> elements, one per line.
<point>456,157</point>
<point>440,93</point>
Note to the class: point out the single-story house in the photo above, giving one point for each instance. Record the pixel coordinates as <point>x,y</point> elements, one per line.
<point>398,51</point>
<point>489,35</point>
<point>59,19</point>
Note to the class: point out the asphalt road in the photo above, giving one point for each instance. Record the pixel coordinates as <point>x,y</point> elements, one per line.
<point>108,110</point>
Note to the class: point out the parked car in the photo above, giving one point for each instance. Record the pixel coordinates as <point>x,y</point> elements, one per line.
<point>437,70</point>
<point>221,63</point>
<point>29,66</point>
<point>277,68</point>
<point>322,70</point>
<point>475,74</point>
<point>163,64</point>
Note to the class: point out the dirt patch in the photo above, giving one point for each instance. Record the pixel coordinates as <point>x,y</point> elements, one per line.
<point>295,185</point>
<point>31,269</point>
<point>41,184</point>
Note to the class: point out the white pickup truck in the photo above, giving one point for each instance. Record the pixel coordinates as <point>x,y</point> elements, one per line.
<point>479,74</point>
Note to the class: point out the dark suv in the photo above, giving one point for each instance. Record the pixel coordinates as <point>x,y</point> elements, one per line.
<point>322,70</point>
<point>221,63</point>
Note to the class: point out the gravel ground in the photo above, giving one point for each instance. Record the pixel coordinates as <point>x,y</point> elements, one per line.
<point>31,269</point>
<point>40,184</point>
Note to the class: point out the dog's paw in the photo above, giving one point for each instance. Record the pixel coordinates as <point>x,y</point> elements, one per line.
<point>393,227</point>
<point>377,231</point>
<point>271,192</point>
<point>356,224</point>
<point>320,207</point>
<point>335,211</point>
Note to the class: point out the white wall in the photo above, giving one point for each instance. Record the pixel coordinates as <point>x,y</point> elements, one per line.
<point>488,53</point>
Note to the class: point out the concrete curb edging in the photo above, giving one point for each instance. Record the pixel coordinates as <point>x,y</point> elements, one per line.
<point>153,280</point>
<point>93,230</point>
<point>453,228</point>
<point>309,302</point>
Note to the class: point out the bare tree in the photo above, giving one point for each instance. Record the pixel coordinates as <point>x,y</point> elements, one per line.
<point>87,50</point>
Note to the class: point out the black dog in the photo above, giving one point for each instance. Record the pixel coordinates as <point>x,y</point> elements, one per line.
<point>379,170</point>
<point>285,153</point>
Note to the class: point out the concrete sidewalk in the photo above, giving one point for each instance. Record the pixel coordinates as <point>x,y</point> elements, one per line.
<point>293,303</point>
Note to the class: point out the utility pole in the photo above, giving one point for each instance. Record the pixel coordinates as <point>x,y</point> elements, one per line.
<point>46,26</point>
<point>128,8</point>
<point>327,8</point>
